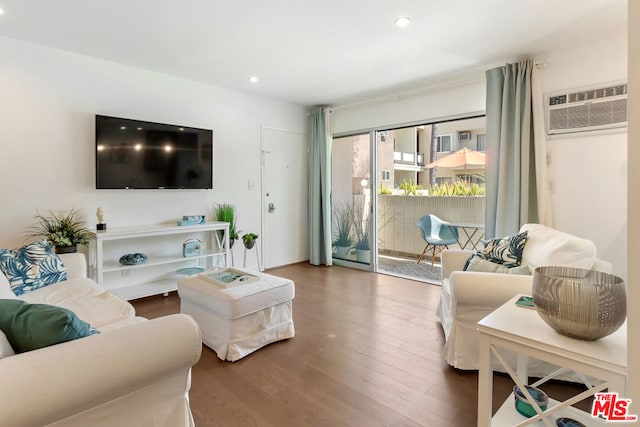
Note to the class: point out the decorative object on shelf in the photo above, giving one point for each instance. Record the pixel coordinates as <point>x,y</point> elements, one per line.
<point>522,404</point>
<point>63,229</point>
<point>133,259</point>
<point>227,212</point>
<point>191,247</point>
<point>228,277</point>
<point>192,220</point>
<point>249,240</point>
<point>188,271</point>
<point>101,225</point>
<point>568,422</point>
<point>579,303</point>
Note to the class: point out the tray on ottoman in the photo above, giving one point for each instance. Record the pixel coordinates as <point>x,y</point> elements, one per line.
<point>238,320</point>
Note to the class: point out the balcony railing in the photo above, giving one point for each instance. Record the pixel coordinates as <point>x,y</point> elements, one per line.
<point>407,158</point>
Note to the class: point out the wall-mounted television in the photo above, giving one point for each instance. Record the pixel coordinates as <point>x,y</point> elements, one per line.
<point>135,154</point>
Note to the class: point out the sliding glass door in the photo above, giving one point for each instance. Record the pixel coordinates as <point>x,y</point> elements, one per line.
<point>352,202</point>
<point>384,181</point>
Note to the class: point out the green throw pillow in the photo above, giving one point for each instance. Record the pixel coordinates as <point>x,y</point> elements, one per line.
<point>32,326</point>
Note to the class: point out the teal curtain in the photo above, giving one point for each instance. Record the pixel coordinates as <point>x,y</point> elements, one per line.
<point>511,170</point>
<point>320,189</point>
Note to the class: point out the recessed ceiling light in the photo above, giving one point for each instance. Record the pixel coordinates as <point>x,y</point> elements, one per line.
<point>402,21</point>
<point>1,11</point>
<point>253,79</point>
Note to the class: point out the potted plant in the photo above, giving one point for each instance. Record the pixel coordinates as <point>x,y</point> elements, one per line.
<point>64,230</point>
<point>249,240</point>
<point>344,229</point>
<point>361,225</point>
<point>227,212</point>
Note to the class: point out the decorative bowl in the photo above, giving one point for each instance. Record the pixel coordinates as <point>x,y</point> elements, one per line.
<point>133,259</point>
<point>568,422</point>
<point>522,404</point>
<point>579,303</point>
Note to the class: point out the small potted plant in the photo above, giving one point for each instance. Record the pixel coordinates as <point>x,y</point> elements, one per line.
<point>64,230</point>
<point>249,240</point>
<point>227,212</point>
<point>344,229</point>
<point>361,224</point>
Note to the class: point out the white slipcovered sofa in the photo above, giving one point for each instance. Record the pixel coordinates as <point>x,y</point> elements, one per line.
<point>469,296</point>
<point>135,372</point>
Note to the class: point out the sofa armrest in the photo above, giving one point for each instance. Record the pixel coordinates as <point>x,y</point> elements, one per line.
<point>489,290</point>
<point>58,382</point>
<point>454,260</point>
<point>75,264</point>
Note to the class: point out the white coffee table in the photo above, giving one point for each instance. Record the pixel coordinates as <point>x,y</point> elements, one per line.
<point>524,332</point>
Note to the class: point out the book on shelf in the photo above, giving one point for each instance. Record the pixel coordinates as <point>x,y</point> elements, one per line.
<point>525,301</point>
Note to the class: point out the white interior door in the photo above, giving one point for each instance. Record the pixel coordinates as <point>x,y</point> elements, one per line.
<point>285,165</point>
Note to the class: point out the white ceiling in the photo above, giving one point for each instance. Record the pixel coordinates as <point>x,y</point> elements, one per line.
<point>310,53</point>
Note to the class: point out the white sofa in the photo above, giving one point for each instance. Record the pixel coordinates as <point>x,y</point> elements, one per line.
<point>136,372</point>
<point>469,296</point>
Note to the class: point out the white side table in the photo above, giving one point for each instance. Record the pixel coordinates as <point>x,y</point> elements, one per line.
<point>524,332</point>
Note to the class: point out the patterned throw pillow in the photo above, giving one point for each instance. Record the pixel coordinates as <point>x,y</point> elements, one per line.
<point>506,251</point>
<point>31,267</point>
<point>476,263</point>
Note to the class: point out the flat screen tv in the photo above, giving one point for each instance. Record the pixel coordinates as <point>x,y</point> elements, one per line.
<point>134,154</point>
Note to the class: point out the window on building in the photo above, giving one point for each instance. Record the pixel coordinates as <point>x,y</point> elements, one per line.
<point>480,140</point>
<point>444,143</point>
<point>386,175</point>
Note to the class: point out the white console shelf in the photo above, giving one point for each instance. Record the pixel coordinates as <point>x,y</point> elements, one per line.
<point>162,244</point>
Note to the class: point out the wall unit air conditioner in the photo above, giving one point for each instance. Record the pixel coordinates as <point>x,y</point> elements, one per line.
<point>587,110</point>
<point>464,135</point>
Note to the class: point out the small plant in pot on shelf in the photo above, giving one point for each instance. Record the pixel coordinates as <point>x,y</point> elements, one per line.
<point>65,230</point>
<point>227,212</point>
<point>249,240</point>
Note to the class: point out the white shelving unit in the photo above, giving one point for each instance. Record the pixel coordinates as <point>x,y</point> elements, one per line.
<point>162,244</point>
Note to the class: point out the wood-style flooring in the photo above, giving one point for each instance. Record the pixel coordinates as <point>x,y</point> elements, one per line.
<point>367,352</point>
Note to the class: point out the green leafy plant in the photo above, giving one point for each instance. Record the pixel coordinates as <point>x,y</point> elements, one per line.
<point>361,225</point>
<point>227,212</point>
<point>457,189</point>
<point>384,190</point>
<point>61,228</point>
<point>409,187</point>
<point>343,227</point>
<point>246,238</point>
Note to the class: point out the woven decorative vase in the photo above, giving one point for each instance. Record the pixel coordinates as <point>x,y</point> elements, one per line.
<point>580,303</point>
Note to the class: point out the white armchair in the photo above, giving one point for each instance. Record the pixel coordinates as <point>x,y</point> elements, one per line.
<point>469,296</point>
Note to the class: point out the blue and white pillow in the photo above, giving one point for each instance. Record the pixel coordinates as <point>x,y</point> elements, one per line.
<point>506,251</point>
<point>31,267</point>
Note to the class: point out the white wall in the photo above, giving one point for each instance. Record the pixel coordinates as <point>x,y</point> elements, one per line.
<point>588,172</point>
<point>48,99</point>
<point>633,291</point>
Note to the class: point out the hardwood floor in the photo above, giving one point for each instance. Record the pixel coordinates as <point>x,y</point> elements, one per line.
<point>366,353</point>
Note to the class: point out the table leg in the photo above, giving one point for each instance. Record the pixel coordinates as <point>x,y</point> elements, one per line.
<point>485,382</point>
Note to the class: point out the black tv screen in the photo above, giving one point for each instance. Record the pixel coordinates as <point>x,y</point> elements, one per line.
<point>134,154</point>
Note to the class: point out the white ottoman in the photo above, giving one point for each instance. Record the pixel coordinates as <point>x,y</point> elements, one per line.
<point>239,320</point>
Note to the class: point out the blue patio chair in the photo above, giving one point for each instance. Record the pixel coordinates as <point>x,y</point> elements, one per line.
<point>437,234</point>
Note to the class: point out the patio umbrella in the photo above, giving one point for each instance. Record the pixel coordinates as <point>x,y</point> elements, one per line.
<point>461,158</point>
